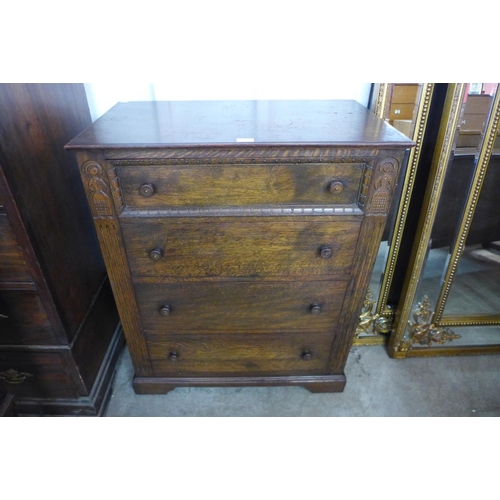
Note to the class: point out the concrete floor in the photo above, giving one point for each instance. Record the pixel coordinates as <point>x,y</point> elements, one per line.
<point>377,386</point>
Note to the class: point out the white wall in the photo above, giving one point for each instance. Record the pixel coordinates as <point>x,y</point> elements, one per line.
<point>237,85</point>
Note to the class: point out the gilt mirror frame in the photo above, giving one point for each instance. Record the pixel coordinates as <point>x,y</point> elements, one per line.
<point>403,337</point>
<point>378,314</point>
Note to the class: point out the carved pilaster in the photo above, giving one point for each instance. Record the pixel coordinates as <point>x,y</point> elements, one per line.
<point>384,180</point>
<point>116,262</point>
<point>98,191</point>
<point>104,196</point>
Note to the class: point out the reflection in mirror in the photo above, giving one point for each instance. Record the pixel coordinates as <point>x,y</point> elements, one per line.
<point>474,113</point>
<point>475,336</point>
<point>473,116</point>
<point>462,282</point>
<point>476,285</point>
<point>403,107</point>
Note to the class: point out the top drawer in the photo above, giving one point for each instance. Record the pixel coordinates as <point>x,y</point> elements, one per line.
<point>177,186</point>
<point>12,264</point>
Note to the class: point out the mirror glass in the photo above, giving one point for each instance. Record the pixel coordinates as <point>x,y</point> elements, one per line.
<point>475,289</point>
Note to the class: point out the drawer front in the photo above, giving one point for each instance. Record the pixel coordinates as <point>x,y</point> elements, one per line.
<point>243,354</point>
<point>26,321</point>
<point>239,246</point>
<point>240,185</point>
<point>12,264</point>
<point>36,375</point>
<point>240,307</point>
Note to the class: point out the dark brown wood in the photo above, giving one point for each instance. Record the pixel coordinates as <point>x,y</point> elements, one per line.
<point>208,123</point>
<point>238,354</point>
<point>240,247</point>
<point>240,306</point>
<point>240,185</point>
<point>92,405</point>
<point>13,267</point>
<point>306,355</point>
<point>45,374</point>
<point>61,318</point>
<point>95,336</point>
<point>336,187</point>
<point>315,309</point>
<point>37,120</point>
<point>26,321</point>
<point>38,281</point>
<point>147,190</point>
<point>7,404</point>
<point>237,262</point>
<point>326,252</point>
<point>314,383</point>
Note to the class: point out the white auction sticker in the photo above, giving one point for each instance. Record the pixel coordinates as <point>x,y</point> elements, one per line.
<point>245,139</point>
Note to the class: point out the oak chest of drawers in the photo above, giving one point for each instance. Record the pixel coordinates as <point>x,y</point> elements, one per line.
<point>239,236</point>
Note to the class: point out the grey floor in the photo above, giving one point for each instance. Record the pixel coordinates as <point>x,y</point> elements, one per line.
<point>377,386</point>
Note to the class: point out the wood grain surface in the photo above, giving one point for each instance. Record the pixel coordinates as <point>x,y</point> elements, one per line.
<point>242,354</point>
<point>207,123</point>
<point>241,185</point>
<point>241,306</point>
<point>26,322</point>
<point>12,264</point>
<point>239,246</point>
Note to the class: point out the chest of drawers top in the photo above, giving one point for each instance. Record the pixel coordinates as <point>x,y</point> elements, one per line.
<point>340,123</point>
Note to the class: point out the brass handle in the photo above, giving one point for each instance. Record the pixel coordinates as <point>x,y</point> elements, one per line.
<point>315,309</point>
<point>335,187</point>
<point>12,376</point>
<point>306,355</point>
<point>173,356</point>
<point>156,254</point>
<point>147,190</point>
<point>325,252</point>
<point>165,310</point>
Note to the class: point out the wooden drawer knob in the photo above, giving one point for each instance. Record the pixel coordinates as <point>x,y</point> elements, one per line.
<point>156,254</point>
<point>306,355</point>
<point>335,187</point>
<point>173,356</point>
<point>147,190</point>
<point>325,252</point>
<point>165,310</point>
<point>315,309</point>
